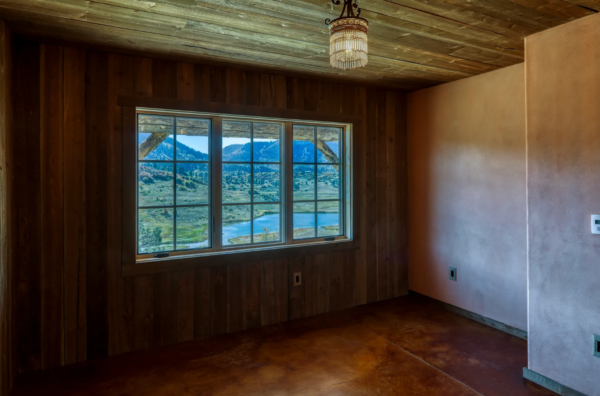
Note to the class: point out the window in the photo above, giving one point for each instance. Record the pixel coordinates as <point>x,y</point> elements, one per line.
<point>316,182</point>
<point>208,183</point>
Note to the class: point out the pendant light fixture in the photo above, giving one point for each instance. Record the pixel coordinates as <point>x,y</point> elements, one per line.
<point>348,37</point>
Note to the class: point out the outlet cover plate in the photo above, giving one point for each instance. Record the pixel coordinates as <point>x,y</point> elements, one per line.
<point>597,345</point>
<point>297,278</point>
<point>452,274</point>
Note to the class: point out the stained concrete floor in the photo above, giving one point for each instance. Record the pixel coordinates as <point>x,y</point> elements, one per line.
<point>406,346</point>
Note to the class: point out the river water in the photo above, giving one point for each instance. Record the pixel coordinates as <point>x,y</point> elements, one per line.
<point>301,220</point>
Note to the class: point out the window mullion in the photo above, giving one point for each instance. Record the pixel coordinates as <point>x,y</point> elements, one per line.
<point>316,178</point>
<point>288,194</point>
<point>251,183</point>
<point>174,183</point>
<point>216,156</point>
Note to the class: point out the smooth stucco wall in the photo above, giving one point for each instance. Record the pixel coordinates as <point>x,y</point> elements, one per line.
<point>563,116</point>
<point>467,194</point>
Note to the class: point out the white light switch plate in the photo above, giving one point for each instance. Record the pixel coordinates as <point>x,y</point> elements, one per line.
<point>595,224</point>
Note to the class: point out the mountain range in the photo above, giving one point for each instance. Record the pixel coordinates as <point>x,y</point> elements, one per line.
<point>263,152</point>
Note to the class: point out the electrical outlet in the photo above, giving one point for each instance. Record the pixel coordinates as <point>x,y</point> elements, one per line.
<point>297,278</point>
<point>453,274</point>
<point>597,345</point>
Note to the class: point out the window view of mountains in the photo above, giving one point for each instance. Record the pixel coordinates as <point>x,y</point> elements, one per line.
<point>264,151</point>
<point>157,187</point>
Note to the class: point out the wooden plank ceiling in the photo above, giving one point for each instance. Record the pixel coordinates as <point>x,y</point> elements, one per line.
<point>413,43</point>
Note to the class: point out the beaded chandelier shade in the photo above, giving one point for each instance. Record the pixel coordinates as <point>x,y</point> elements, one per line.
<point>348,46</point>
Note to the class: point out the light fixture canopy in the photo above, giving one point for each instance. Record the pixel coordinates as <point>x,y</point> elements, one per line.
<point>348,46</point>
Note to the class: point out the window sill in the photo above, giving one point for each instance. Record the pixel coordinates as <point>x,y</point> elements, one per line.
<point>202,260</point>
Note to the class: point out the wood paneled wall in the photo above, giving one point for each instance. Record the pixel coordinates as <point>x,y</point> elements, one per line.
<point>73,302</point>
<point>6,313</point>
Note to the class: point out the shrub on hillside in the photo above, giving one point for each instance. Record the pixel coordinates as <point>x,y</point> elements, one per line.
<point>146,178</point>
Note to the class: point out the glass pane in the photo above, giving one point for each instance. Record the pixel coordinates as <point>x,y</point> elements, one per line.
<point>236,225</point>
<point>304,143</point>
<point>236,141</point>
<point>192,228</point>
<point>328,218</point>
<point>192,184</point>
<point>192,139</point>
<point>304,220</point>
<point>267,223</point>
<point>328,185</point>
<point>328,145</point>
<point>304,182</point>
<point>155,230</point>
<point>155,184</point>
<point>266,139</point>
<point>155,137</point>
<point>266,183</point>
<point>236,183</point>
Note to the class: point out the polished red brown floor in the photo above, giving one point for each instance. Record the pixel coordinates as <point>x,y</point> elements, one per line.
<point>405,346</point>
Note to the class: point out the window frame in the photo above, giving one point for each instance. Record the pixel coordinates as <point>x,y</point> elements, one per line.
<point>132,265</point>
<point>286,185</point>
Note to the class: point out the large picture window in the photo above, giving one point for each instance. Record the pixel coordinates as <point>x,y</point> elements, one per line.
<point>208,183</point>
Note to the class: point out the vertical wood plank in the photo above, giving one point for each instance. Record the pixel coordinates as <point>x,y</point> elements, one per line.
<point>280,92</point>
<point>236,296</point>
<point>328,97</point>
<point>142,76</point>
<point>96,210</point>
<point>202,83</point>
<point>295,93</point>
<point>296,295</point>
<point>281,291</point>
<point>185,306</point>
<point>52,219</point>
<point>218,84</point>
<point>311,286</point>
<point>348,279</point>
<point>164,78</point>
<point>253,294</point>
<point>273,91</point>
<point>236,85</point>
<point>7,303</point>
<point>121,294</point>
<point>252,88</point>
<point>143,314</point>
<point>381,196</point>
<point>185,81</point>
<point>402,193</point>
<point>75,201</point>
<point>218,299</point>
<point>267,91</point>
<point>323,283</point>
<point>274,296</point>
<point>267,289</point>
<point>164,329</point>
<point>335,280</point>
<point>202,305</point>
<point>360,168</point>
<point>392,238</point>
<point>349,99</point>
<point>370,235</point>
<point>26,243</point>
<point>311,94</point>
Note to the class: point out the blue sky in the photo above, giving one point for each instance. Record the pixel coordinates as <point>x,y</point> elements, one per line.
<point>200,143</point>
